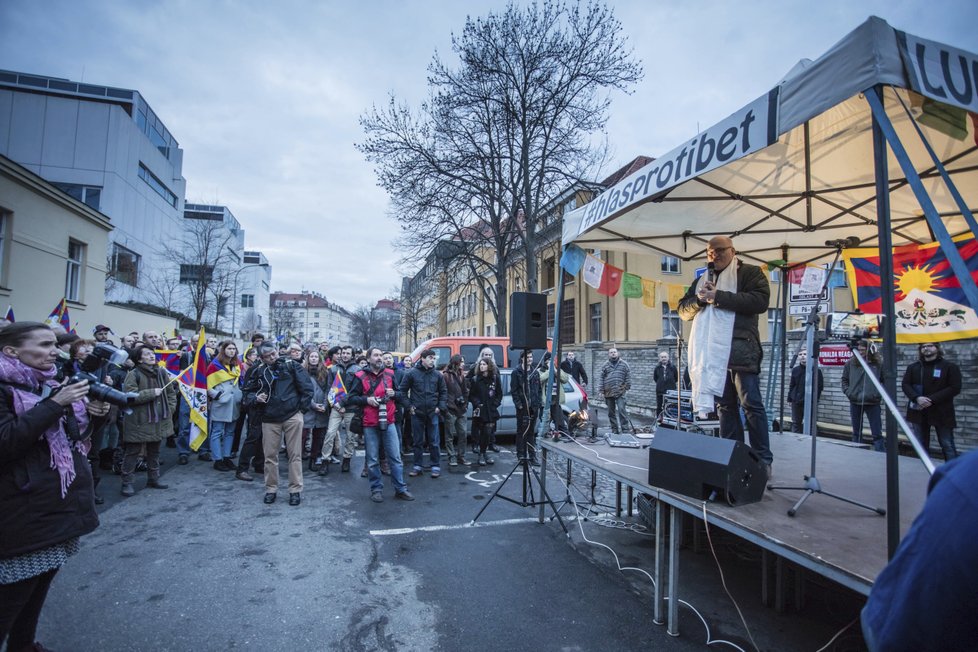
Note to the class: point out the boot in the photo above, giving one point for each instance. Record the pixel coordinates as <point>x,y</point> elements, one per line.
<point>345,468</point>
<point>324,468</point>
<point>154,483</point>
<point>128,490</point>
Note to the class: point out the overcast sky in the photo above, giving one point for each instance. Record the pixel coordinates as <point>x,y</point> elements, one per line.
<point>264,98</point>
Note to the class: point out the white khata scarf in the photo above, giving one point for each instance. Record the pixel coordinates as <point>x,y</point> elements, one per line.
<point>709,346</point>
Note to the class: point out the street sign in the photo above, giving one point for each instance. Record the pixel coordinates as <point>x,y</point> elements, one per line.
<point>834,355</point>
<point>806,309</point>
<point>805,284</point>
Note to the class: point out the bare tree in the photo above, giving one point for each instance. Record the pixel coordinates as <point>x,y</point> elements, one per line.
<point>411,305</point>
<point>362,326</point>
<point>282,320</point>
<point>502,135</point>
<point>163,288</point>
<point>205,261</point>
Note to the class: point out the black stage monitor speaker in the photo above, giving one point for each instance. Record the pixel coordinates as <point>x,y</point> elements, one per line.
<point>697,465</point>
<point>528,320</point>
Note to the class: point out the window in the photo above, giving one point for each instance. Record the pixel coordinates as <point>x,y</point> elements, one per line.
<point>671,324</point>
<point>73,270</point>
<point>90,195</point>
<point>252,259</point>
<point>153,182</point>
<point>837,279</point>
<point>222,306</point>
<point>775,276</point>
<point>196,273</point>
<point>670,264</point>
<point>4,228</point>
<point>316,315</point>
<point>125,265</point>
<point>571,205</point>
<point>772,315</point>
<point>549,273</point>
<point>594,315</point>
<point>247,301</point>
<point>567,332</point>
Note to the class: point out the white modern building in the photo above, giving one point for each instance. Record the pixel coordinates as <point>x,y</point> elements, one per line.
<point>250,312</point>
<point>107,148</point>
<point>214,246</point>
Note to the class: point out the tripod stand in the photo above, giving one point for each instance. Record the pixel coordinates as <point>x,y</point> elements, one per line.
<point>523,463</point>
<point>812,485</point>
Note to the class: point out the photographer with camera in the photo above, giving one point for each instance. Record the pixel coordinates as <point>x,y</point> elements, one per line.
<point>374,391</point>
<point>151,420</point>
<point>458,399</point>
<point>46,493</point>
<point>283,391</point>
<point>524,386</point>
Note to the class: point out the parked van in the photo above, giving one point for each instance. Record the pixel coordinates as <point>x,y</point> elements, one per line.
<point>445,347</point>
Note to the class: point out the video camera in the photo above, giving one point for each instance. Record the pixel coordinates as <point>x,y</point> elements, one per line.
<point>93,369</point>
<point>853,326</point>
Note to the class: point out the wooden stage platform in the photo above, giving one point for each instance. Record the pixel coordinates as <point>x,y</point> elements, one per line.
<point>832,538</point>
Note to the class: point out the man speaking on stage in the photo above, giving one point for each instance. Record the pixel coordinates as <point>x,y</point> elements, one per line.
<point>725,345</point>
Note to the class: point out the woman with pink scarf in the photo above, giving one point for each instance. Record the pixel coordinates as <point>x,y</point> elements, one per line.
<point>46,493</point>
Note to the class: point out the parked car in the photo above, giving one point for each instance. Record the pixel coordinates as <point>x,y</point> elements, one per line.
<point>573,394</point>
<point>470,347</point>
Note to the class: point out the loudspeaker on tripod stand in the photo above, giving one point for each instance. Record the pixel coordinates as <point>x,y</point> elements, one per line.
<point>528,320</point>
<point>697,465</point>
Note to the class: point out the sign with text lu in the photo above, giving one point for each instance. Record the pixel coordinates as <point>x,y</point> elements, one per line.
<point>941,72</point>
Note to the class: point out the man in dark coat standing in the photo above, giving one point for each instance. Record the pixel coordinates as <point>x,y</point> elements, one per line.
<point>749,298</point>
<point>931,384</point>
<point>665,376</point>
<point>574,368</point>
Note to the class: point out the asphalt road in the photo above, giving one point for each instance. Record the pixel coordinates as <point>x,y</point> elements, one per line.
<point>205,565</point>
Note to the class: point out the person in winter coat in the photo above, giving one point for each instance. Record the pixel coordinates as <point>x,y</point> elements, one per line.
<point>931,384</point>
<point>224,403</point>
<point>864,398</point>
<point>734,291</point>
<point>374,392</point>
<point>796,391</point>
<point>665,376</point>
<point>316,420</point>
<point>525,388</point>
<point>46,493</point>
<point>151,419</point>
<point>458,398</point>
<point>428,399</point>
<point>251,451</point>
<point>613,384</point>
<point>485,394</point>
<point>284,390</point>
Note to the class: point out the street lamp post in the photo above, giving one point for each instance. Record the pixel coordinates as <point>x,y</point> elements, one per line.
<point>234,301</point>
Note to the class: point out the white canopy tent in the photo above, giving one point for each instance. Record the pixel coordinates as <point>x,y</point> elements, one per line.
<point>805,163</point>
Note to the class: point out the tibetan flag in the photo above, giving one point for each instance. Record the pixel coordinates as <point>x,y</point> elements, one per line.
<point>572,259</point>
<point>217,373</point>
<point>610,280</point>
<point>10,314</point>
<point>648,292</point>
<point>337,391</point>
<point>65,320</point>
<point>593,271</point>
<point>675,295</point>
<point>169,360</point>
<point>193,388</point>
<point>930,304</point>
<point>55,317</point>
<point>631,286</point>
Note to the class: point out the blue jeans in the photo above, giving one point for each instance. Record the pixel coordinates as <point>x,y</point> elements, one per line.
<point>945,437</point>
<point>425,426</point>
<point>221,436</point>
<point>743,390</point>
<point>873,414</point>
<point>618,414</point>
<point>183,437</point>
<point>392,445</point>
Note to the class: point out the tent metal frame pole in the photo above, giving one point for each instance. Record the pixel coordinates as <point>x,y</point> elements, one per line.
<point>889,335</point>
<point>784,332</point>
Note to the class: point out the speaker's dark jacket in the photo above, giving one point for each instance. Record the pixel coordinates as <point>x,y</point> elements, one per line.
<point>751,299</point>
